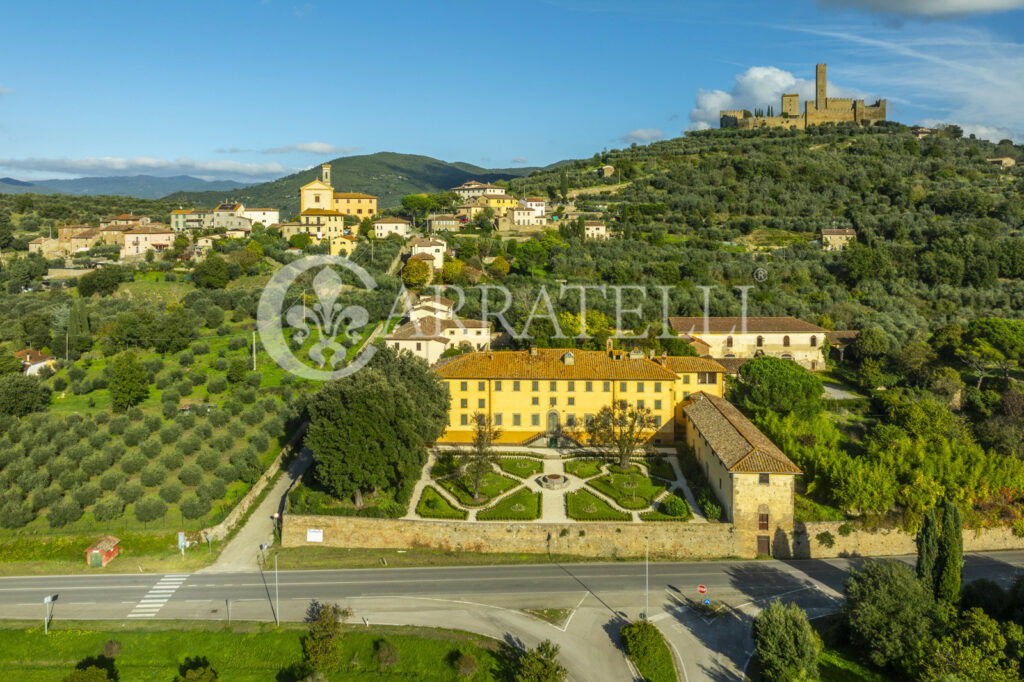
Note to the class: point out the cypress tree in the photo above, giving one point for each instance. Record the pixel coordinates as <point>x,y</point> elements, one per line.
<point>78,327</point>
<point>950,557</point>
<point>928,549</point>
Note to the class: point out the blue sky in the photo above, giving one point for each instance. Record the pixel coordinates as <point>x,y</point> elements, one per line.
<point>256,89</point>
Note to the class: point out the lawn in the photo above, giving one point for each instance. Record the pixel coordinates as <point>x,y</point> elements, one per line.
<point>585,506</point>
<point>491,485</point>
<point>660,513</point>
<point>522,505</point>
<point>432,505</point>
<point>655,662</point>
<point>583,468</point>
<point>521,467</point>
<point>631,488</point>
<point>242,652</point>
<point>662,468</point>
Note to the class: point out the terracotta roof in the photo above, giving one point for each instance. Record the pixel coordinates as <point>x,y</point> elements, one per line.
<point>321,211</point>
<point>551,363</point>
<point>732,365</point>
<point>353,195</point>
<point>419,241</point>
<point>345,236</point>
<point>402,221</point>
<point>734,325</point>
<point>127,216</point>
<point>539,200</point>
<point>230,206</point>
<point>426,257</point>
<point>433,328</point>
<point>593,223</point>
<point>260,209</point>
<point>40,240</point>
<point>86,234</point>
<point>31,357</point>
<point>180,211</point>
<point>104,544</point>
<point>473,184</point>
<point>683,364</point>
<point>437,299</point>
<point>443,217</point>
<point>845,231</point>
<point>739,444</point>
<point>150,229</point>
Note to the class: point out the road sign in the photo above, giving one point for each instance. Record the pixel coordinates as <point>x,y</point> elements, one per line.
<point>702,589</point>
<point>707,602</point>
<point>181,539</point>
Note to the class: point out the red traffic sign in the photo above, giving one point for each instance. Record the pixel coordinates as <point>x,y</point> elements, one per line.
<point>702,588</point>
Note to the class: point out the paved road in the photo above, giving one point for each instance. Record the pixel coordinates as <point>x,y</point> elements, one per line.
<point>488,600</point>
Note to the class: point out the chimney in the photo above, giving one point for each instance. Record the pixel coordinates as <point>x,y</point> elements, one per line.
<point>533,351</point>
<point>608,344</point>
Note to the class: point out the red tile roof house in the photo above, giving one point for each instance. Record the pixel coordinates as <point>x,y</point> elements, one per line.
<point>33,361</point>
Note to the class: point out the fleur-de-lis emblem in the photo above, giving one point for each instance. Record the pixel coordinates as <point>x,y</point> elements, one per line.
<point>334,323</point>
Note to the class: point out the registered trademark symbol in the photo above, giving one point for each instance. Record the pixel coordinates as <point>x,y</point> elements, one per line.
<point>760,274</point>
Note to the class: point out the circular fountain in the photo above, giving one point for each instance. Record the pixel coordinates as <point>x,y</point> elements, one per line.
<point>553,481</point>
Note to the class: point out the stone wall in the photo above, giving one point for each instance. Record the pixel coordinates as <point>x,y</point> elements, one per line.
<point>670,540</point>
<point>888,542</point>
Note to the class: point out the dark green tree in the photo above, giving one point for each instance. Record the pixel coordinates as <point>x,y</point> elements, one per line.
<point>21,395</point>
<point>80,337</point>
<point>779,385</point>
<point>480,457</point>
<point>950,558</point>
<point>212,273</point>
<point>128,382</point>
<point>540,665</point>
<point>787,646</point>
<point>928,549</point>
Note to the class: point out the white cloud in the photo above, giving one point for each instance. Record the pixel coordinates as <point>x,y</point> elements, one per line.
<point>519,159</point>
<point>311,148</point>
<point>642,135</point>
<point>112,165</point>
<point>927,8</point>
<point>758,86</point>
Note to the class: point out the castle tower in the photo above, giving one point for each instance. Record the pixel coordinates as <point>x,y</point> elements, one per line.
<point>326,173</point>
<point>791,104</point>
<point>820,97</point>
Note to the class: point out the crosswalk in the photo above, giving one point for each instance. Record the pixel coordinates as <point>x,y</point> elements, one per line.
<point>157,596</point>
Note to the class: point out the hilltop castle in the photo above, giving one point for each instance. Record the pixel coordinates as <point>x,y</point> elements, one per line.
<point>823,109</point>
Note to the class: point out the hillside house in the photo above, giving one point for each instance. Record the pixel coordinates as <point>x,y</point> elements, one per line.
<point>738,337</point>
<point>385,227</point>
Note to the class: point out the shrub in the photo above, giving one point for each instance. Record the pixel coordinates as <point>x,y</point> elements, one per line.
<point>236,430</point>
<point>153,423</point>
<point>134,436</point>
<point>200,348</point>
<point>153,475</point>
<point>219,418</point>
<point>150,508</point>
<point>986,595</point>
<point>132,463</point>
<point>205,431</point>
<point>151,448</point>
<point>213,489</point>
<point>386,654</point>
<point>64,512</point>
<point>208,460</point>
<point>58,465</point>
<point>87,494</point>
<point>111,479</point>
<point>197,377</point>
<point>94,465</point>
<point>114,450</point>
<point>190,475</point>
<point>130,491</point>
<point>227,473</point>
<point>673,505</point>
<point>646,647</point>
<point>260,442</point>
<point>787,646</point>
<point>169,409</point>
<point>193,507</point>
<point>247,396</point>
<point>118,424</point>
<point>170,433</point>
<point>15,514</point>
<point>465,664</point>
<point>98,439</point>
<point>189,444</point>
<point>170,396</point>
<point>220,364</point>
<point>171,460</point>
<point>216,385</point>
<point>171,492</point>
<point>826,539</point>
<point>186,421</point>
<point>252,416</point>
<point>845,529</point>
<point>185,359</point>
<point>234,407</point>
<point>72,478</point>
<point>184,387</point>
<point>46,497</point>
<point>109,508</point>
<point>77,452</point>
<point>41,454</point>
<point>247,465</point>
<point>134,414</point>
<point>224,442</point>
<point>254,379</point>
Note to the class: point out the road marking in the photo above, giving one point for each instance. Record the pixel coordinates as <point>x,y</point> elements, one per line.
<point>572,613</point>
<point>157,596</point>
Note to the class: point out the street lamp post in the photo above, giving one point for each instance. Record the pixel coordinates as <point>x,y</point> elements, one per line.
<point>47,601</point>
<point>277,595</point>
<point>647,578</point>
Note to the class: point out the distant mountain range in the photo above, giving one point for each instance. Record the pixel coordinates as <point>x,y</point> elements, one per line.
<point>387,175</point>
<point>141,186</point>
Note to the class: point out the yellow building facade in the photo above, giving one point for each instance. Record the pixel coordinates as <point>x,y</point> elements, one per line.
<point>546,393</point>
<point>320,195</point>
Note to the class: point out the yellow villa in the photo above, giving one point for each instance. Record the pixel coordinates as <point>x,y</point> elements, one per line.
<point>319,195</point>
<point>499,202</point>
<point>549,394</point>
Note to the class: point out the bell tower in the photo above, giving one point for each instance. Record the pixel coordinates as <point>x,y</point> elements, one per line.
<point>325,174</point>
<point>820,95</point>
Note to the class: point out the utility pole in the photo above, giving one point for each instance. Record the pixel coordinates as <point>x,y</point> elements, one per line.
<point>277,595</point>
<point>254,350</point>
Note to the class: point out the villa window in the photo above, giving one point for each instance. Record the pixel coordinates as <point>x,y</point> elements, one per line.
<point>516,420</point>
<point>553,401</point>
<point>686,394</point>
<point>588,419</point>
<point>553,386</point>
<point>515,385</point>
<point>481,403</point>
<point>814,342</point>
<point>657,404</point>
<point>572,386</point>
<point>589,386</point>
<point>622,387</point>
<point>607,386</point>
<point>497,419</point>
<point>572,401</point>
<point>419,346</point>
<point>657,422</point>
<point>785,342</point>
<point>657,387</point>
<point>481,386</point>
<point>686,378</point>
<point>762,521</point>
<point>639,387</point>
<point>764,479</point>
<point>535,420</point>
<point>463,386</point>
<point>535,386</point>
<point>760,341</point>
<point>497,385</point>
<point>464,420</point>
<point>535,400</point>
<point>570,420</point>
<point>639,404</point>
<point>728,342</point>
<point>464,403</point>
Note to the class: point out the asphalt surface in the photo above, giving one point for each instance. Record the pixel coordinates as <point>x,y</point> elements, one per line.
<point>599,598</point>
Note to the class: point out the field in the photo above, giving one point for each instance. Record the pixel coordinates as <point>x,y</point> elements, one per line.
<point>242,652</point>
